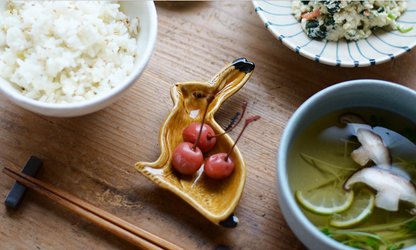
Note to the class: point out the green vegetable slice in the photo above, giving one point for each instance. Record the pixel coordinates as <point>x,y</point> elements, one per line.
<point>402,30</point>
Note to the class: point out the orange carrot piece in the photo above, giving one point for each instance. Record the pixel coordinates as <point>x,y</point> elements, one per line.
<point>310,15</point>
<point>366,13</point>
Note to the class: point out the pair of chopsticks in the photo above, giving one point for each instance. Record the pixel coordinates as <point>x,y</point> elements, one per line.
<point>108,221</point>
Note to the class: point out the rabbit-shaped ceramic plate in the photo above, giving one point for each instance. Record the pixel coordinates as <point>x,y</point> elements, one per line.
<point>215,199</point>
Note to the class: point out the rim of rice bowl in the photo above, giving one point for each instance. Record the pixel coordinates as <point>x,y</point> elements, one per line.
<point>146,39</point>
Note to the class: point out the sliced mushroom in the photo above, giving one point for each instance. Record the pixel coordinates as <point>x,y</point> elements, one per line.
<point>372,148</point>
<point>390,187</point>
<point>351,118</point>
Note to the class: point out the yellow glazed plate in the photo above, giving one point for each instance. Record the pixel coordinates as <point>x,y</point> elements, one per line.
<point>215,199</point>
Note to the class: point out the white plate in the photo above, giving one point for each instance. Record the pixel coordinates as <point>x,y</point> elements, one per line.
<point>382,46</point>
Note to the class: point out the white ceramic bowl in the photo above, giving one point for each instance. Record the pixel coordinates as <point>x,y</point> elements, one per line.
<point>380,47</point>
<point>357,93</point>
<point>146,40</point>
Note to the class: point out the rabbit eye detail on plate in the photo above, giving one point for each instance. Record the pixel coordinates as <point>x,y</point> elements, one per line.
<point>199,95</point>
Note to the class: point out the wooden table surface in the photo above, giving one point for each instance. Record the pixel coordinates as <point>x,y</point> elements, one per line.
<point>92,157</point>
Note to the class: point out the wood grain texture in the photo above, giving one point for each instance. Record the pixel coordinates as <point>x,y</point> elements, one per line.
<point>93,157</point>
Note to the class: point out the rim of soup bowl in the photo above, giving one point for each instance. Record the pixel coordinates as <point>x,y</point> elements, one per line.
<point>359,93</point>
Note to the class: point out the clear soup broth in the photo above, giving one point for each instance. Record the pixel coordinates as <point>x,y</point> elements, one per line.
<point>321,158</point>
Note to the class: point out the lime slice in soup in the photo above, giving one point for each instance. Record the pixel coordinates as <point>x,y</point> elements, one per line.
<point>325,200</point>
<point>360,210</point>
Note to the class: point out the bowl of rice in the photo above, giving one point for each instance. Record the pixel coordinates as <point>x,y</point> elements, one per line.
<point>67,59</point>
<point>344,33</point>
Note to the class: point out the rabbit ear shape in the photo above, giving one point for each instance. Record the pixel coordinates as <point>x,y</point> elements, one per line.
<point>231,78</point>
<point>224,84</point>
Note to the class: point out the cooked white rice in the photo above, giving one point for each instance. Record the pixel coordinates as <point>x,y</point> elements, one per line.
<point>64,52</point>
